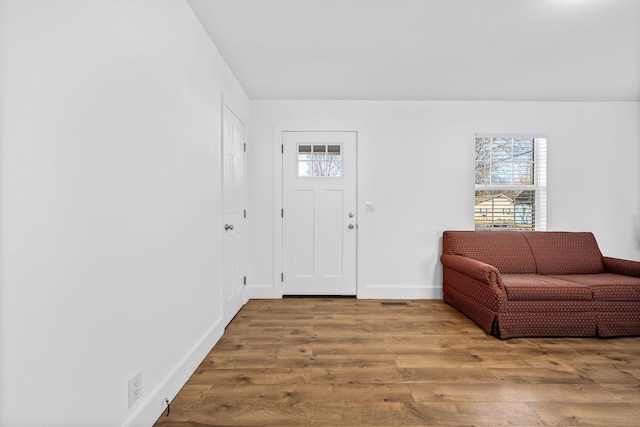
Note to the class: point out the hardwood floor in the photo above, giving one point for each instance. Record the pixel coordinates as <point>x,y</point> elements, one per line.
<point>348,362</point>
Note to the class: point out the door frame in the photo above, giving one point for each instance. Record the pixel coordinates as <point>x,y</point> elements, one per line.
<point>278,228</point>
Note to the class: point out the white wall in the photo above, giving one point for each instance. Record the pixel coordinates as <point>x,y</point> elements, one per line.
<point>416,163</point>
<point>110,206</point>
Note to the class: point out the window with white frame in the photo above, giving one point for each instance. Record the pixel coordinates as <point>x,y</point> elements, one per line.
<point>319,161</point>
<point>511,180</point>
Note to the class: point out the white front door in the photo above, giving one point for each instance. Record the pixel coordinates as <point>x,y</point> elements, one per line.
<point>319,213</point>
<point>233,216</point>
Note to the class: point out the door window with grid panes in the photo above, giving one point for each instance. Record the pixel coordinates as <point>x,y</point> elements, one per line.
<point>319,160</point>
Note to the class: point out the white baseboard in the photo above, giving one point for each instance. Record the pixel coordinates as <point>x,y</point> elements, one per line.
<point>395,291</point>
<point>384,291</point>
<point>152,407</point>
<point>264,292</point>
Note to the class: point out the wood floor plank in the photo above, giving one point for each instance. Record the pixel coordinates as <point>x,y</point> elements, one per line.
<point>540,375</point>
<point>628,392</point>
<point>355,361</point>
<point>366,414</point>
<point>276,393</point>
<point>349,362</point>
<point>426,359</point>
<point>501,392</point>
<point>246,412</point>
<point>401,375</point>
<point>251,376</point>
<point>350,346</point>
<point>588,414</point>
<point>482,414</point>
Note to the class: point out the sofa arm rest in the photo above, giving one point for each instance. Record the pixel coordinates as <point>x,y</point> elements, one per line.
<point>475,269</point>
<point>621,266</point>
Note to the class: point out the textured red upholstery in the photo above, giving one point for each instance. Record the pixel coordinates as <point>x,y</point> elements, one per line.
<point>483,316</point>
<point>621,266</point>
<point>508,251</point>
<point>553,319</point>
<point>607,286</point>
<point>565,253</point>
<point>489,296</point>
<point>533,287</point>
<point>617,319</point>
<point>475,269</point>
<point>531,284</point>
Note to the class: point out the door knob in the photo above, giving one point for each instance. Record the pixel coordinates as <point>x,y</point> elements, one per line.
<point>351,226</point>
<point>228,227</point>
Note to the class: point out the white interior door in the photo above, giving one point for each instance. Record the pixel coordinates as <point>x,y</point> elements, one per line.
<point>319,213</point>
<point>233,152</point>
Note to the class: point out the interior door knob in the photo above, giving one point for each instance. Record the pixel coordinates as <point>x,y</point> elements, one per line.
<point>228,227</point>
<point>351,226</point>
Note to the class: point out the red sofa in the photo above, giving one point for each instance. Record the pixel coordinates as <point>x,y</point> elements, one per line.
<point>540,284</point>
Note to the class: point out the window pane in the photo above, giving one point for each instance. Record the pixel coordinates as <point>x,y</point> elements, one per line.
<point>304,163</point>
<point>523,149</point>
<point>522,173</point>
<point>327,167</point>
<point>500,174</point>
<point>509,210</point>
<point>504,161</point>
<point>483,175</point>
<point>305,169</point>
<point>501,150</point>
<point>319,161</point>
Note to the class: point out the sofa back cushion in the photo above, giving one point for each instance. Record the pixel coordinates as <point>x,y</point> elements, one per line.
<point>565,252</point>
<point>508,251</point>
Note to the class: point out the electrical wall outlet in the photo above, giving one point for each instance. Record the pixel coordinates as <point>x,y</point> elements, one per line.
<point>135,388</point>
<point>166,406</point>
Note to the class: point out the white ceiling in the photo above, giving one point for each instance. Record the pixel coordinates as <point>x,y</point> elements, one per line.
<point>546,50</point>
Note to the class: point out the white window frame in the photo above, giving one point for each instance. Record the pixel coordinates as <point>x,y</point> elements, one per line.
<point>540,176</point>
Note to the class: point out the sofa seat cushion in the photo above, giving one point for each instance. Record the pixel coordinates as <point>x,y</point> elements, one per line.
<point>534,287</point>
<point>607,286</point>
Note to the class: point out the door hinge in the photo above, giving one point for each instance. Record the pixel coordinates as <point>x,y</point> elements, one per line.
<point>245,213</point>
<point>282,148</point>
<point>281,213</point>
<point>245,147</point>
<point>244,280</point>
<point>282,277</point>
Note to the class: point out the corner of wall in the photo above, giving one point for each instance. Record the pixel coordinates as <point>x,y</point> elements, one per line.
<point>153,406</point>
